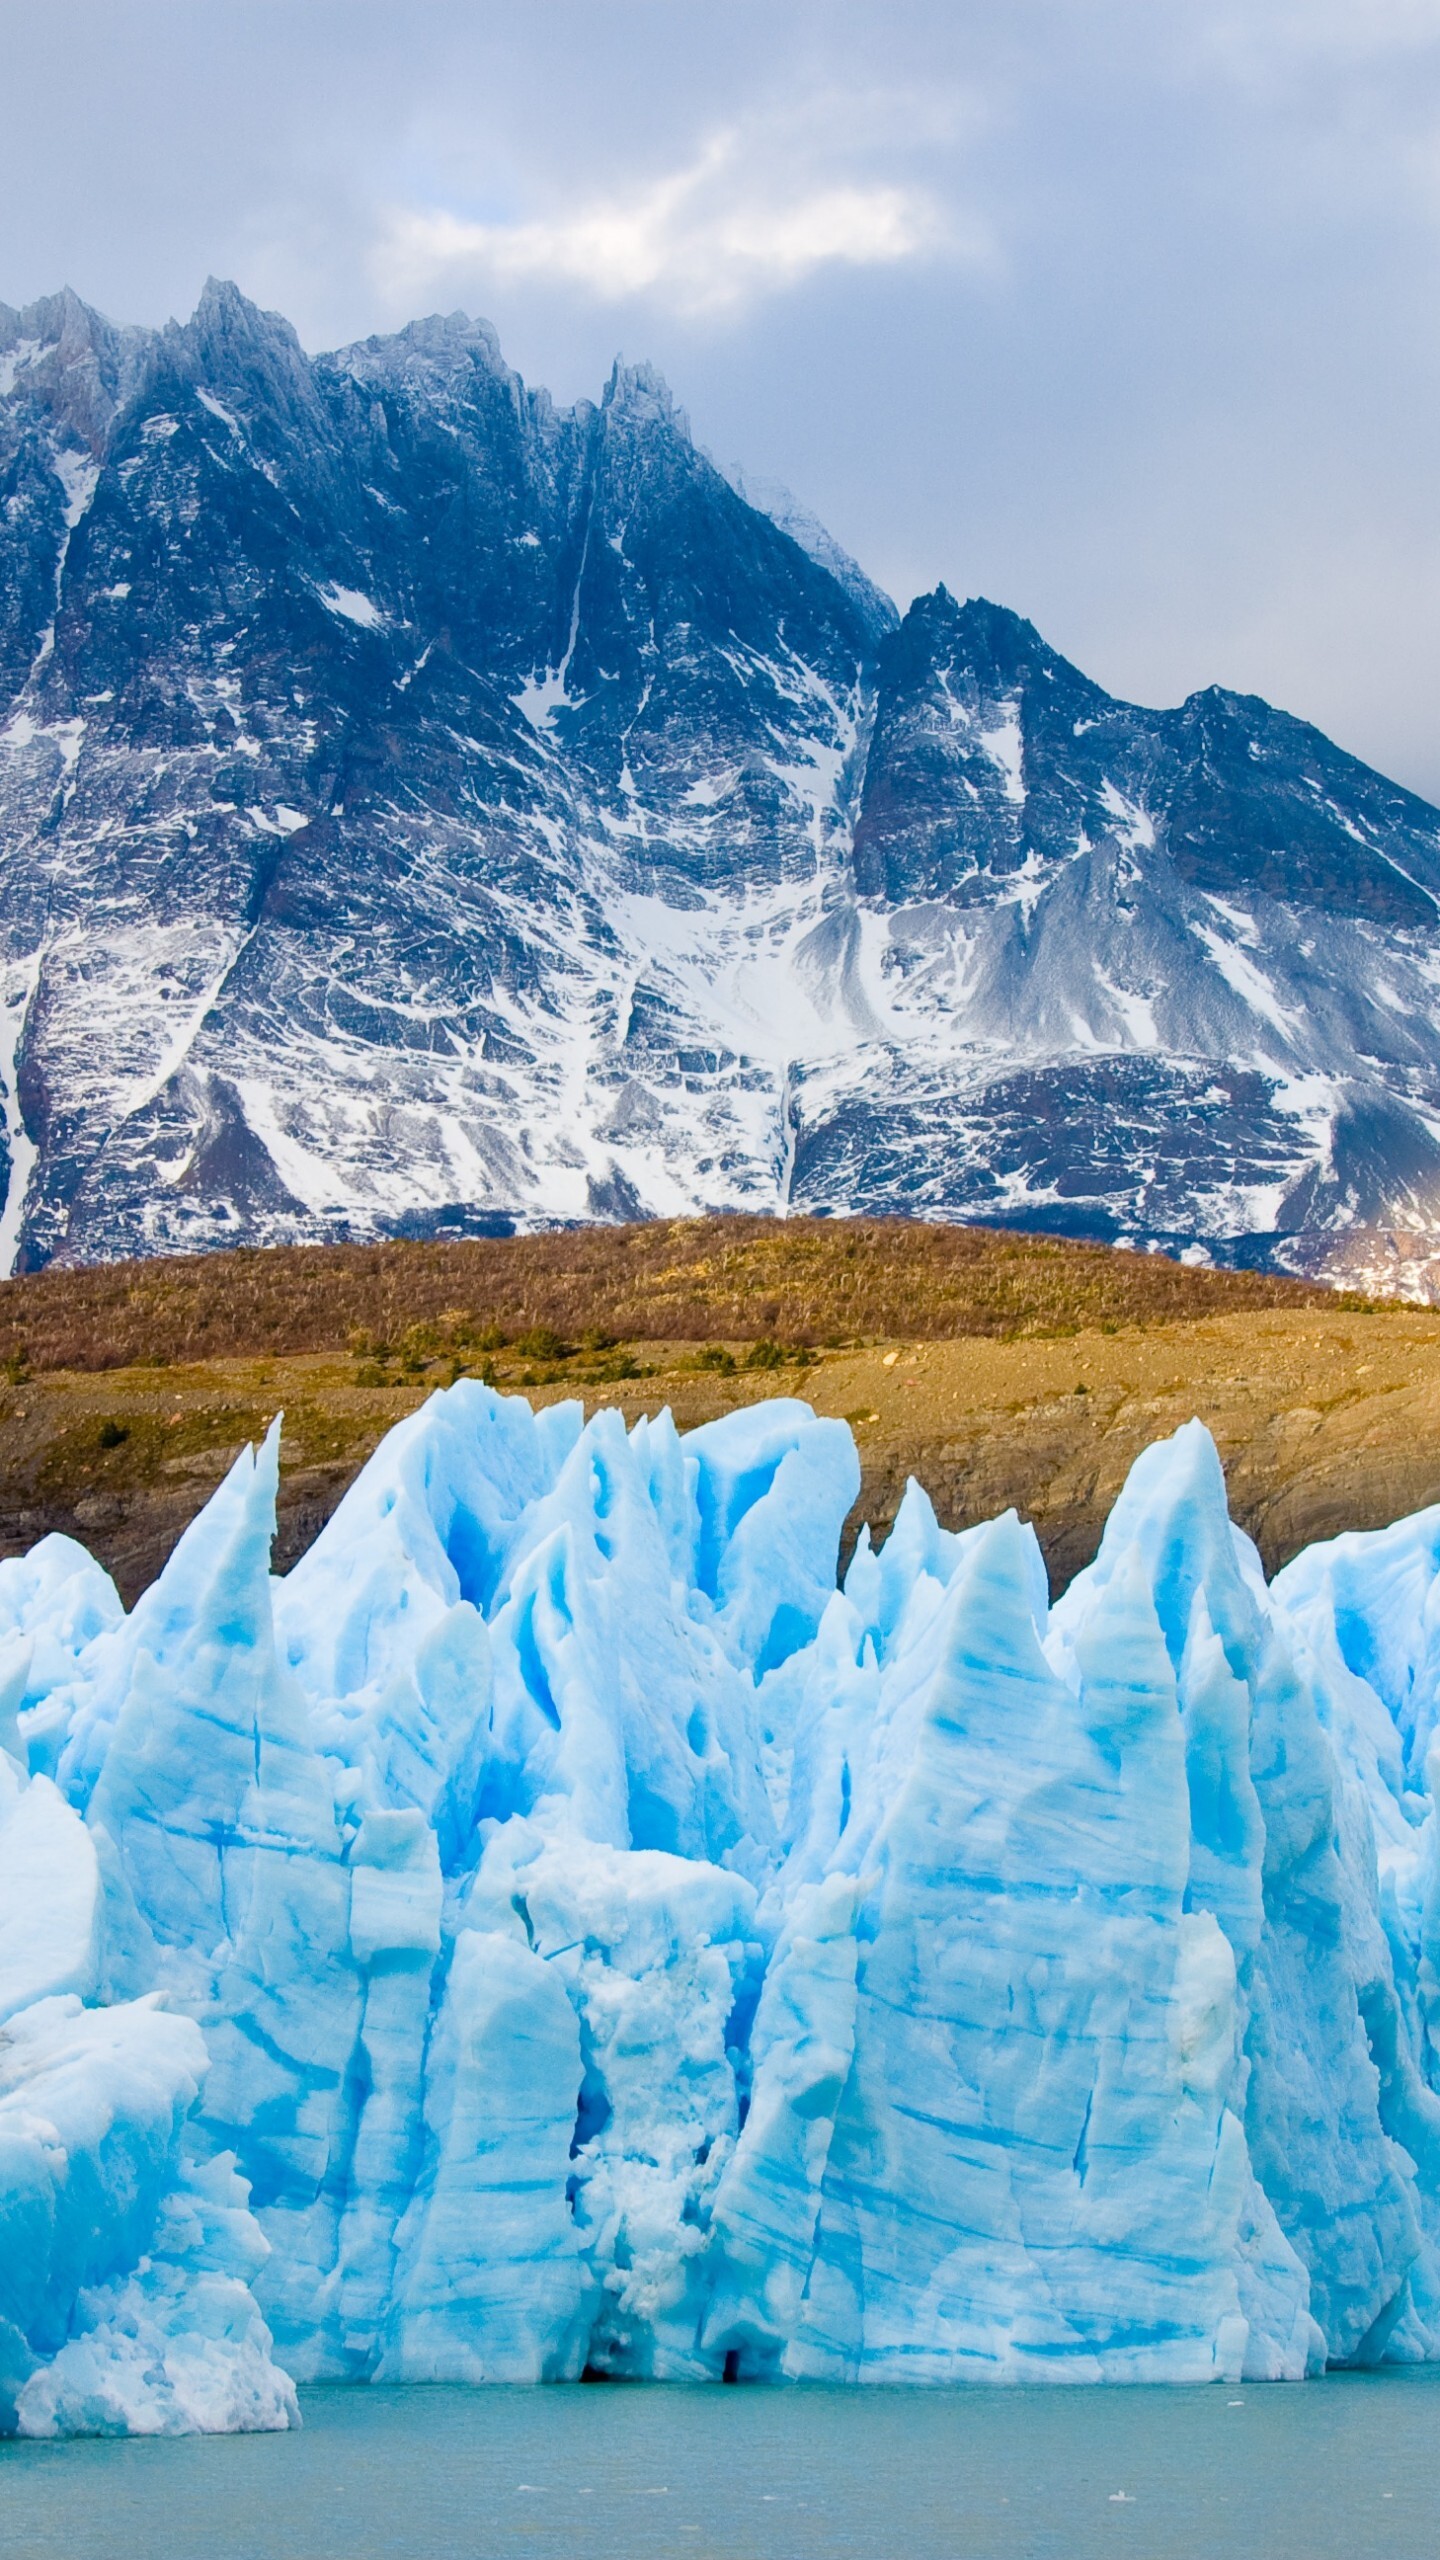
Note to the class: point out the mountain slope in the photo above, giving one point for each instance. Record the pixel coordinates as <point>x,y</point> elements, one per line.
<point>427,810</point>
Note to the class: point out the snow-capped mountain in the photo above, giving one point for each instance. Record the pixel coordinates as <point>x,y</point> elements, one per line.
<point>426,809</point>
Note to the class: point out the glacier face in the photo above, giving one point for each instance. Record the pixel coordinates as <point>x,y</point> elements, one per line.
<point>426,809</point>
<point>557,1928</point>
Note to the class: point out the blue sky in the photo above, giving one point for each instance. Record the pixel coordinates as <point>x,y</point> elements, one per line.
<point>1123,312</point>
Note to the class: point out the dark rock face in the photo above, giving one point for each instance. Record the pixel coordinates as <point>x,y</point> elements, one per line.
<point>426,810</point>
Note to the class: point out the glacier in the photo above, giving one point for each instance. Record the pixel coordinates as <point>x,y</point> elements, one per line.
<point>564,1928</point>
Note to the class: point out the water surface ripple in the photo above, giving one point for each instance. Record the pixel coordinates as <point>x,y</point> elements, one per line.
<point>1344,2469</point>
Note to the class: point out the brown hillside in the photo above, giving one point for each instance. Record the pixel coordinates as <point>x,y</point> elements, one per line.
<point>802,1281</point>
<point>1325,1420</point>
<point>997,1368</point>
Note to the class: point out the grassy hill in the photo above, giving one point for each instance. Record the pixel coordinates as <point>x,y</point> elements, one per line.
<point>810,1282</point>
<point>997,1368</point>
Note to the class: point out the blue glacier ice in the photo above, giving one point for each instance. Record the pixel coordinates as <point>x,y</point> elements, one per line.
<point>561,1927</point>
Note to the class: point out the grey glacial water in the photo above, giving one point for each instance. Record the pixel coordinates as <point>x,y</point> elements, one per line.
<point>1344,2469</point>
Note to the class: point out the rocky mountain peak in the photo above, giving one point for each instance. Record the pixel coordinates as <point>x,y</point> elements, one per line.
<point>773,499</point>
<point>444,348</point>
<point>426,808</point>
<point>637,396</point>
<point>62,358</point>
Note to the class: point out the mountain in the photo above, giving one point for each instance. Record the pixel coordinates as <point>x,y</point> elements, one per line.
<point>427,810</point>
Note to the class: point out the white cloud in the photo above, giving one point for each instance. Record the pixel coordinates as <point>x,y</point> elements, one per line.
<point>1271,41</point>
<point>707,238</point>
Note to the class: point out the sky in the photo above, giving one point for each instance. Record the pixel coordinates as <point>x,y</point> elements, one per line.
<point>1121,312</point>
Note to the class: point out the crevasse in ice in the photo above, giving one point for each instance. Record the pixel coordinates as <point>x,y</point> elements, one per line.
<point>556,1928</point>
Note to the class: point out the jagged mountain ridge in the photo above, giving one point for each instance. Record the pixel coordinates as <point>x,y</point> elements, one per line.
<point>427,809</point>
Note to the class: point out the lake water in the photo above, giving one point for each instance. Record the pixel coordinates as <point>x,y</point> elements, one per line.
<point>1345,2469</point>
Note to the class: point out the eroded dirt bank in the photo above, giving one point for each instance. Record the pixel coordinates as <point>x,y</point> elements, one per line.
<point>1326,1418</point>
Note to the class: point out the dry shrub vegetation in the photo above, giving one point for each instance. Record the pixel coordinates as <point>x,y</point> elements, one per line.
<point>780,1287</point>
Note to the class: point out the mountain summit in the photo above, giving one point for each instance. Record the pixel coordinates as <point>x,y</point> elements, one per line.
<point>429,810</point>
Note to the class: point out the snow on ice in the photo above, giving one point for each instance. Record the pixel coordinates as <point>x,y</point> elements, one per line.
<point>556,1928</point>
